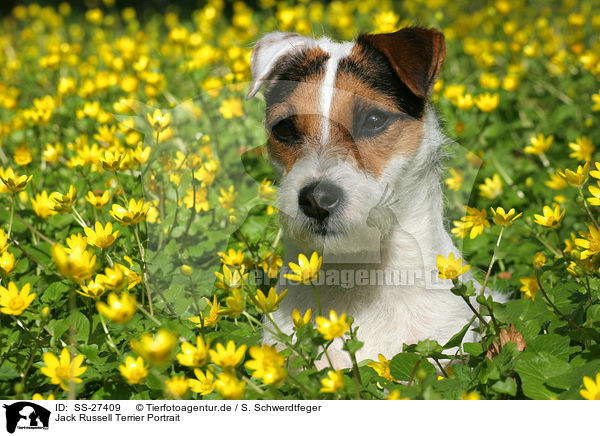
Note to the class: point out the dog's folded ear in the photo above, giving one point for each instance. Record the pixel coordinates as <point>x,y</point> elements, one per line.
<point>268,51</point>
<point>416,54</point>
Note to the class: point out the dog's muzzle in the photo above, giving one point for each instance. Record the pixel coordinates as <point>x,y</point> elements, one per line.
<point>320,199</point>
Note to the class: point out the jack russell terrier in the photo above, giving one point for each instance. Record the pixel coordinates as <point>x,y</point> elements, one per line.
<point>358,150</point>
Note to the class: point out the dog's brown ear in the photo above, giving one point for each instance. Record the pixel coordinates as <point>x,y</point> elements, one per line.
<point>268,51</point>
<point>416,54</point>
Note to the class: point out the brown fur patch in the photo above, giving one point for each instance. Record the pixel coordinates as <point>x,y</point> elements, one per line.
<point>371,154</point>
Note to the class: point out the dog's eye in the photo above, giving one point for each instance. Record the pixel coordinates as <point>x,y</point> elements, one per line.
<point>374,122</point>
<point>285,130</point>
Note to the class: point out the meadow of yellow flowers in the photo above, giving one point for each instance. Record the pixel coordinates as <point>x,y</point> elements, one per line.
<point>136,205</point>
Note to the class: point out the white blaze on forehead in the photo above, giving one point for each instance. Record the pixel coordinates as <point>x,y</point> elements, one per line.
<point>336,52</point>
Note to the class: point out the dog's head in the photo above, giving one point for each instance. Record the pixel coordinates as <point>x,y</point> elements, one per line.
<point>344,121</point>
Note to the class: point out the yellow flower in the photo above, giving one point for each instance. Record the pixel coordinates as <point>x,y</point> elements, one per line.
<point>78,264</point>
<point>595,191</point>
<point>464,102</point>
<point>456,180</point>
<point>76,242</point>
<point>4,244</point>
<point>233,257</point>
<point>158,121</point>
<point>227,198</point>
<point>530,286</point>
<point>489,80</point>
<point>229,357</point>
<point>199,201</point>
<point>270,303</point>
<point>503,218</point>
<point>450,268</point>
<point>592,390</point>
<point>177,386</point>
<point>213,316</point>
<point>299,320</point>
<point>487,102</point>
<point>101,237</point>
<point>476,220</point>
<point>539,260</point>
<point>64,371</point>
<point>591,243</point>
<point>42,205</point>
<point>22,155</point>
<point>204,383</point>
<point>491,188</point>
<point>551,218</point>
<point>582,148</point>
<point>134,213</point>
<point>271,262</point>
<point>596,173</point>
<point>231,108</point>
<point>111,161</point>
<point>576,178</point>
<point>98,201</point>
<point>194,356</point>
<point>267,364</point>
<point>236,303</point>
<point>63,203</point>
<point>156,349</point>
<point>92,289</point>
<point>134,371</point>
<point>305,271</point>
<point>39,397</point>
<point>229,386</point>
<point>333,382</point>
<point>7,263</point>
<point>556,182</point>
<point>266,191</point>
<point>596,101</point>
<point>385,21</point>
<point>539,144</point>
<point>11,182</point>
<point>470,396</point>
<point>114,278</point>
<point>231,279</point>
<point>119,309</point>
<point>13,301</point>
<point>395,395</point>
<point>382,368</point>
<point>461,229</point>
<point>333,327</point>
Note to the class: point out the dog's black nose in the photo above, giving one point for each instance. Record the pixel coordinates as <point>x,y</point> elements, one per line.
<point>318,200</point>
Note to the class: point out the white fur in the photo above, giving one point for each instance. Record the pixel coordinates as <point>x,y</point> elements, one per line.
<point>405,236</point>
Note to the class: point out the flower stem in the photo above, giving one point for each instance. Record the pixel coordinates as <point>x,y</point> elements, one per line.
<point>144,273</point>
<point>587,208</point>
<point>559,313</point>
<point>314,288</point>
<point>489,271</point>
<point>12,214</point>
<point>109,338</point>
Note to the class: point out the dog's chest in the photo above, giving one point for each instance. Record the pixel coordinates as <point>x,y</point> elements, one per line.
<point>388,316</point>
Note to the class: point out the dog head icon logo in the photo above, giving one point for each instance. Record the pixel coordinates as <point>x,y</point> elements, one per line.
<point>24,414</point>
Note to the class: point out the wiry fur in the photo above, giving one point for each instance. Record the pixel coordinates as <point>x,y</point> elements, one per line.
<point>391,222</point>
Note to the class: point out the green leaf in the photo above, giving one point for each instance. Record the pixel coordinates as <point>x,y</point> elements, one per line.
<point>535,370</point>
<point>353,345</point>
<point>473,348</point>
<point>8,372</point>
<point>402,365</point>
<point>556,345</point>
<point>457,339</point>
<point>507,386</point>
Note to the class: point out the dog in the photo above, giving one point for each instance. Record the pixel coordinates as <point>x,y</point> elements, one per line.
<point>358,149</point>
